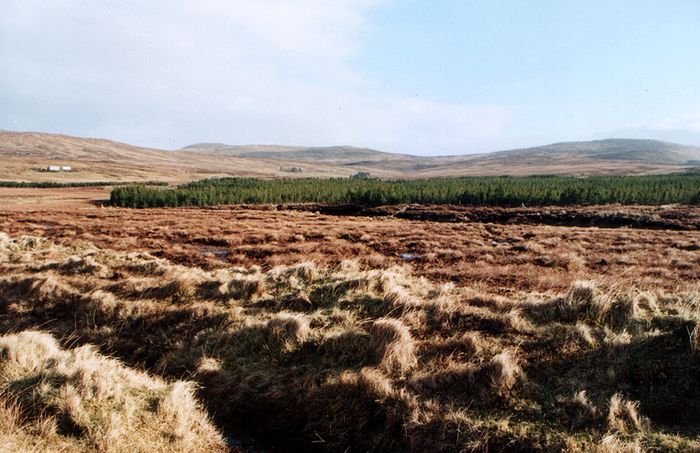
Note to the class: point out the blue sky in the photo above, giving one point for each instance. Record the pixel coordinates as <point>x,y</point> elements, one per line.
<point>565,69</point>
<point>425,77</point>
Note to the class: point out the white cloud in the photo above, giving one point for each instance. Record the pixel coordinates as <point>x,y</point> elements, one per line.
<point>168,73</point>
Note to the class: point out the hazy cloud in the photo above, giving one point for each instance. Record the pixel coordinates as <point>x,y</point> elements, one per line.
<point>168,73</point>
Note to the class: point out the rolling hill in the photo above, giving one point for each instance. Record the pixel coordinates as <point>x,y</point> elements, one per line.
<point>23,154</point>
<point>651,151</point>
<point>332,154</point>
<point>610,156</point>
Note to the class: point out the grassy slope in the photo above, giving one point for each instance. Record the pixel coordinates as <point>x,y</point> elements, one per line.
<point>22,154</point>
<point>350,357</point>
<point>97,159</point>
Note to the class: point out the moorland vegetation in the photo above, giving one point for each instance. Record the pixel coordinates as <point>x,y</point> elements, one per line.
<point>343,357</point>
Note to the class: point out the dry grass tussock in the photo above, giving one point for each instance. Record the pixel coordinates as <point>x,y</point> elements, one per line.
<point>243,287</point>
<point>582,401</point>
<point>623,415</point>
<point>611,444</point>
<point>582,333</point>
<point>393,345</point>
<point>79,400</point>
<point>583,300</point>
<point>288,328</point>
<point>333,357</point>
<point>503,371</point>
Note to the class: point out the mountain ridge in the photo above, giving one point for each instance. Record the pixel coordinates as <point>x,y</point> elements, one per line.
<point>619,149</point>
<point>586,145</point>
<point>291,152</point>
<point>23,154</point>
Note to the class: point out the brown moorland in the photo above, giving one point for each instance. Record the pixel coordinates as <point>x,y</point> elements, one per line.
<point>309,331</point>
<point>497,252</point>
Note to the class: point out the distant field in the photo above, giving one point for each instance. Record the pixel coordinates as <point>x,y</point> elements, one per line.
<point>58,185</point>
<point>496,191</point>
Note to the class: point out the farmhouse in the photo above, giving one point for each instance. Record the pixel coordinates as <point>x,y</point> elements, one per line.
<point>57,168</point>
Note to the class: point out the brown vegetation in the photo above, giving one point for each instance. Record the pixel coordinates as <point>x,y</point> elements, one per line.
<point>77,400</point>
<point>499,256</point>
<point>393,345</point>
<point>309,332</point>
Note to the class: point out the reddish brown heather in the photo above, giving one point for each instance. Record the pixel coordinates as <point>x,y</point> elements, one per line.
<point>310,332</point>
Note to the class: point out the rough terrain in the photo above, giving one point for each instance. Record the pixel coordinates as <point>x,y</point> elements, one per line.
<point>308,331</point>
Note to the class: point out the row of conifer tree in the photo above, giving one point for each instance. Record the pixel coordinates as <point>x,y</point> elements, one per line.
<point>496,191</point>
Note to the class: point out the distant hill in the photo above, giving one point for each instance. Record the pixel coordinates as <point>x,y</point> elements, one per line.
<point>610,156</point>
<point>65,147</point>
<point>649,151</point>
<point>337,154</point>
<point>23,154</point>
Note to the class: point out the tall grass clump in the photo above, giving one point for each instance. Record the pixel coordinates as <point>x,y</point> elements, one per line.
<point>393,345</point>
<point>81,401</point>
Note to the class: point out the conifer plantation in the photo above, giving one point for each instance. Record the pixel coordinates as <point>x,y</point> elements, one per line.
<point>492,191</point>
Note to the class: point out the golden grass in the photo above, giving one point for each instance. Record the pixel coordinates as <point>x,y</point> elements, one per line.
<point>611,444</point>
<point>623,415</point>
<point>334,356</point>
<point>288,328</point>
<point>393,345</point>
<point>503,371</point>
<point>79,400</point>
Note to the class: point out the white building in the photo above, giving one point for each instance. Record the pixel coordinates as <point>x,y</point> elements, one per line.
<point>66,168</point>
<point>54,168</point>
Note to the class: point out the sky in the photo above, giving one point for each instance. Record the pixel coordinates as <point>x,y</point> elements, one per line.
<point>430,77</point>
